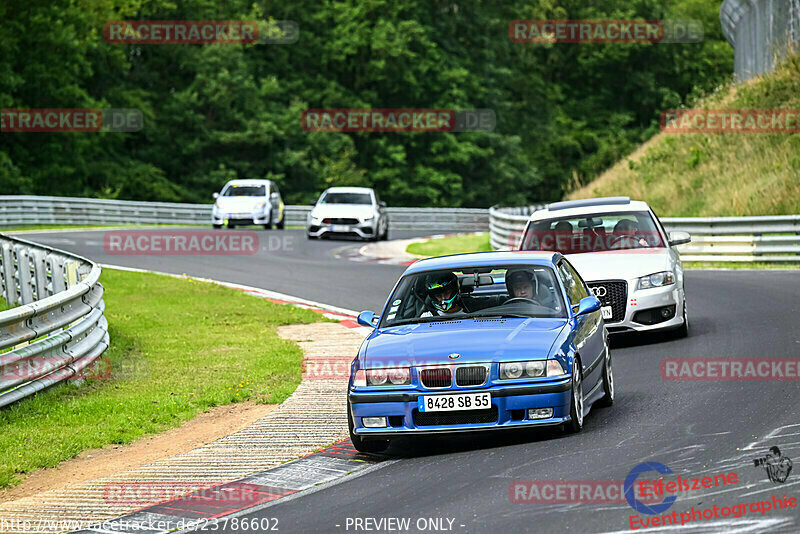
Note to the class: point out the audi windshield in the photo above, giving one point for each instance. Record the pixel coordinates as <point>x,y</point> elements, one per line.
<point>594,233</point>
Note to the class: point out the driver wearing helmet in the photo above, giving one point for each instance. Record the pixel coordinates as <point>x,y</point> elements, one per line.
<point>443,291</point>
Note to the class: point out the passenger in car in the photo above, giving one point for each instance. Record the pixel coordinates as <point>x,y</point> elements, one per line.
<point>522,283</point>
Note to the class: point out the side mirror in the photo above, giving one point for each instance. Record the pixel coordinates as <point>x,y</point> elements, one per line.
<point>275,196</point>
<point>382,204</point>
<point>368,319</point>
<point>312,203</point>
<point>588,305</point>
<point>679,238</point>
<point>215,196</point>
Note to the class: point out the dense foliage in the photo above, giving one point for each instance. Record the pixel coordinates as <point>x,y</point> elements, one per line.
<point>565,112</point>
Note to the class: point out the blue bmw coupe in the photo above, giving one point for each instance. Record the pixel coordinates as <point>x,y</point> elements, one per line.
<point>472,342</point>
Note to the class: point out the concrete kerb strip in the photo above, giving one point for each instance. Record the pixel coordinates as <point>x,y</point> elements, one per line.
<point>251,462</point>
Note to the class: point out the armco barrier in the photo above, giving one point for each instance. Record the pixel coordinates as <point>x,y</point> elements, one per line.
<point>739,239</point>
<point>36,210</point>
<point>55,327</point>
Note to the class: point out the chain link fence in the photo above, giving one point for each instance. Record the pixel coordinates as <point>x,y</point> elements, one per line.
<point>760,31</point>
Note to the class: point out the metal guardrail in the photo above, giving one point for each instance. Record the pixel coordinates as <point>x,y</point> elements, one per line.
<point>36,210</point>
<point>55,327</point>
<point>738,239</point>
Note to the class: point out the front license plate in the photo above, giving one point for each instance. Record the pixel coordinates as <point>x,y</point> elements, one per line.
<point>606,311</point>
<point>449,403</point>
<point>340,228</point>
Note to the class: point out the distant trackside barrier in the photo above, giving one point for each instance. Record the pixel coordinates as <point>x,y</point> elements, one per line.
<point>23,210</point>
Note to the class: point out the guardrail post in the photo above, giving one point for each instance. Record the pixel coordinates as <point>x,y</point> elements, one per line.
<point>39,261</point>
<point>24,270</point>
<point>9,282</point>
<point>56,268</point>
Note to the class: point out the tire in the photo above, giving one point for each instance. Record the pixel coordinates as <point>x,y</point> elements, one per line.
<point>231,225</point>
<point>282,223</point>
<point>267,227</point>
<point>608,382</point>
<point>683,330</point>
<point>216,226</point>
<point>575,423</point>
<point>379,445</point>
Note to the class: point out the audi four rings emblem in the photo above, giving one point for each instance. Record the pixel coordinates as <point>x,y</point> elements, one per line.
<point>454,356</point>
<point>599,291</point>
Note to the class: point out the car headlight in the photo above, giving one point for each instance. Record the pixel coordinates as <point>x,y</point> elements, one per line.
<point>530,369</point>
<point>261,205</point>
<point>663,278</point>
<point>391,376</point>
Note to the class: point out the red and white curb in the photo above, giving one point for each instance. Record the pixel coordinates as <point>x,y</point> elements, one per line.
<point>391,252</point>
<point>212,508</point>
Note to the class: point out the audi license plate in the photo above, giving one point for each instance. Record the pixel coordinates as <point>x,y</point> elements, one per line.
<point>340,228</point>
<point>606,311</point>
<point>449,403</point>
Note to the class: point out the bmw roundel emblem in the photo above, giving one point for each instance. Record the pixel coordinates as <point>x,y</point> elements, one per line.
<point>454,356</point>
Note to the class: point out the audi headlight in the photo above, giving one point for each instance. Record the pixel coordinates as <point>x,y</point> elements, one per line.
<point>663,278</point>
<point>394,376</point>
<point>531,369</point>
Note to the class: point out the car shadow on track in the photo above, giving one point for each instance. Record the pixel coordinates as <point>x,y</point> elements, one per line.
<point>698,328</point>
<point>435,445</point>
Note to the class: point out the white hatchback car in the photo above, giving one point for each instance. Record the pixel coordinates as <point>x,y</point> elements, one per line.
<point>625,256</point>
<point>348,211</point>
<point>244,202</point>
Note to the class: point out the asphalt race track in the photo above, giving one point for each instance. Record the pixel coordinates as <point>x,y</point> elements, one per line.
<point>695,428</point>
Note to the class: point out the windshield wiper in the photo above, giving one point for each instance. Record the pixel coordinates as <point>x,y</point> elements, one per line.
<point>502,316</point>
<point>429,319</point>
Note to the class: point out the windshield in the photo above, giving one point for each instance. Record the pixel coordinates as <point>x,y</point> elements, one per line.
<point>245,191</point>
<point>346,198</point>
<point>502,291</point>
<point>595,232</point>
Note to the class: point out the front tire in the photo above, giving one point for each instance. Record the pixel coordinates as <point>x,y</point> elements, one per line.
<point>282,223</point>
<point>361,445</point>
<point>608,382</point>
<point>575,423</point>
<point>216,226</point>
<point>683,330</point>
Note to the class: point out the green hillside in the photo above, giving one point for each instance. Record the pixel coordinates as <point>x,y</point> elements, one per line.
<point>718,174</point>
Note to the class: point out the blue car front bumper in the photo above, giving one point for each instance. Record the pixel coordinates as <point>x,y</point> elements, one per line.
<point>510,405</point>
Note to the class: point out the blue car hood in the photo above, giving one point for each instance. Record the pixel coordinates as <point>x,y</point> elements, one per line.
<point>476,341</point>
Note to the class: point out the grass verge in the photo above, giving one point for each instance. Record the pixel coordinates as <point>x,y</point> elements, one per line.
<point>451,245</point>
<point>178,347</point>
